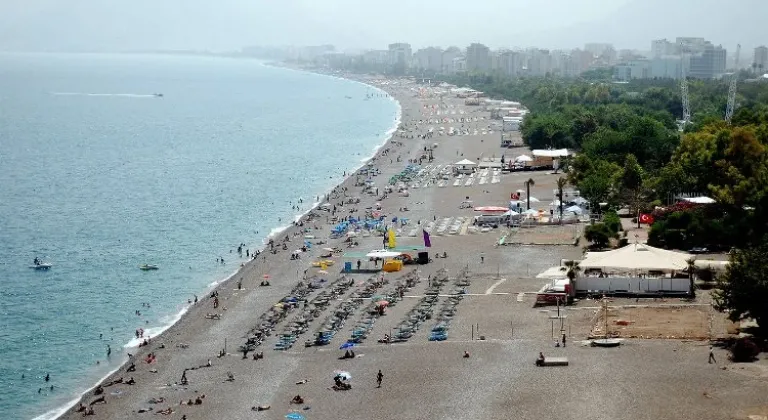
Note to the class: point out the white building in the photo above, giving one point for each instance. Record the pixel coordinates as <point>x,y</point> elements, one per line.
<point>459,64</point>
<point>400,55</point>
<point>478,58</point>
<point>448,56</point>
<point>662,47</point>
<point>635,69</point>
<point>667,67</point>
<point>510,63</point>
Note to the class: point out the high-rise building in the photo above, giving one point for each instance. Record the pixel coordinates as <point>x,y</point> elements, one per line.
<point>709,63</point>
<point>400,56</point>
<point>635,69</point>
<point>662,47</point>
<point>510,63</point>
<point>667,67</point>
<point>430,59</point>
<point>539,62</point>
<point>692,45</point>
<point>448,56</point>
<point>478,58</point>
<point>597,48</point>
<point>761,59</point>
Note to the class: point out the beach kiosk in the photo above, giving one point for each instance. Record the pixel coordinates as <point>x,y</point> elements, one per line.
<point>464,166</point>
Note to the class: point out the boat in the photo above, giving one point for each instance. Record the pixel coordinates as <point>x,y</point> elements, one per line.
<point>158,95</point>
<point>41,266</point>
<point>148,267</point>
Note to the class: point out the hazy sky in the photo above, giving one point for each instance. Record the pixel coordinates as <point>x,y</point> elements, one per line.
<point>119,25</point>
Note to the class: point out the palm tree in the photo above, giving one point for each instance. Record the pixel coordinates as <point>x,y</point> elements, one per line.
<point>561,183</point>
<point>573,269</point>
<point>691,270</point>
<point>528,185</point>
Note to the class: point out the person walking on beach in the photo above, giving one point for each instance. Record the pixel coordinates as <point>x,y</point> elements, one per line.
<point>482,257</point>
<point>109,351</point>
<point>379,378</point>
<point>712,355</point>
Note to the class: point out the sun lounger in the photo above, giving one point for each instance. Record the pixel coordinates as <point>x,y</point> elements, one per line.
<point>555,361</point>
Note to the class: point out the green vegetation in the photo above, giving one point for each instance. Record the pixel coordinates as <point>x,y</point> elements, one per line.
<point>632,155</point>
<point>743,288</point>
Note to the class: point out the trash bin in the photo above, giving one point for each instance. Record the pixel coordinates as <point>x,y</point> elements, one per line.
<point>347,267</point>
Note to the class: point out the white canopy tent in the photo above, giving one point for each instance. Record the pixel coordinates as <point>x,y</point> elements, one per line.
<point>574,209</point>
<point>636,257</point>
<point>465,162</point>
<point>550,153</point>
<point>383,253</point>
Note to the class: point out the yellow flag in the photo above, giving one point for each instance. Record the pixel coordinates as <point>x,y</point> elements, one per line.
<point>392,243</point>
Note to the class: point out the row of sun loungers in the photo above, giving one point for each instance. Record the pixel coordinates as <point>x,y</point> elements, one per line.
<point>335,322</point>
<point>311,310</point>
<point>439,331</point>
<point>269,319</point>
<point>371,314</point>
<point>423,310</point>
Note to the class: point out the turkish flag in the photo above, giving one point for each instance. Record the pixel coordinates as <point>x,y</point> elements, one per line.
<point>646,218</point>
<point>514,196</point>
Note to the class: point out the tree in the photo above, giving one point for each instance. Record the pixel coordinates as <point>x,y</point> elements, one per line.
<point>597,184</point>
<point>528,185</point>
<point>573,269</point>
<point>631,184</point>
<point>691,270</point>
<point>742,288</point>
<point>561,183</point>
<point>599,235</point>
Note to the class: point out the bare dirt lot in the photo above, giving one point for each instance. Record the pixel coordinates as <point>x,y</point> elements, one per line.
<point>667,322</point>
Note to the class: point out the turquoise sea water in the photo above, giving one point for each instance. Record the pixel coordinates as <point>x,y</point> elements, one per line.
<point>98,176</point>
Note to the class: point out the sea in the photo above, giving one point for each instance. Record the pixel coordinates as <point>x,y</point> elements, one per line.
<point>99,174</point>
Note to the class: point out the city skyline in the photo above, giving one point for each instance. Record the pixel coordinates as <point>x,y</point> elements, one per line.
<point>60,25</point>
<point>692,57</point>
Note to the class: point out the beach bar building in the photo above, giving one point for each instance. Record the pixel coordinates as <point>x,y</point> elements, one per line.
<point>636,269</point>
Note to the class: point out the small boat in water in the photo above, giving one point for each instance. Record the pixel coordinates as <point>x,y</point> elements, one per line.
<point>38,264</point>
<point>148,267</point>
<point>158,95</point>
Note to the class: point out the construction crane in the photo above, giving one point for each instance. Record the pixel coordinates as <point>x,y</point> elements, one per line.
<point>732,89</point>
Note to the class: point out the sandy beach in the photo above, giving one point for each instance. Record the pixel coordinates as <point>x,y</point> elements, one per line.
<point>495,321</point>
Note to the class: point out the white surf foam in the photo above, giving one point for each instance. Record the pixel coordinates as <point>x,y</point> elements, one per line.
<point>123,95</point>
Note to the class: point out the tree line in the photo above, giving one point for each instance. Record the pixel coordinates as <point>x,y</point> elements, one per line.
<point>632,154</point>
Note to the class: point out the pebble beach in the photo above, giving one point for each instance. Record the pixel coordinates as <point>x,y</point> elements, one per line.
<point>494,323</point>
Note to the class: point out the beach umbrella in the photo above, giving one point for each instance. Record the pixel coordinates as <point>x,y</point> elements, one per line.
<point>322,272</point>
<point>378,298</point>
<point>382,303</point>
<point>294,416</point>
<point>520,191</point>
<point>343,374</point>
<point>266,276</point>
<point>534,199</point>
<point>346,346</point>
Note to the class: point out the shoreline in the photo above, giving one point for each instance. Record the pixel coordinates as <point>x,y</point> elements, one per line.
<point>179,317</point>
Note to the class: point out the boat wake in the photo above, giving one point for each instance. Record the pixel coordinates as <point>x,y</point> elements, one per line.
<point>120,95</point>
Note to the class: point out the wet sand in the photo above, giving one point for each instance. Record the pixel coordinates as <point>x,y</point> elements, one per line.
<point>644,379</point>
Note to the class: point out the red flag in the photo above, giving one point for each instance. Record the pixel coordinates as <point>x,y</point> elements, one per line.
<point>514,196</point>
<point>646,218</point>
